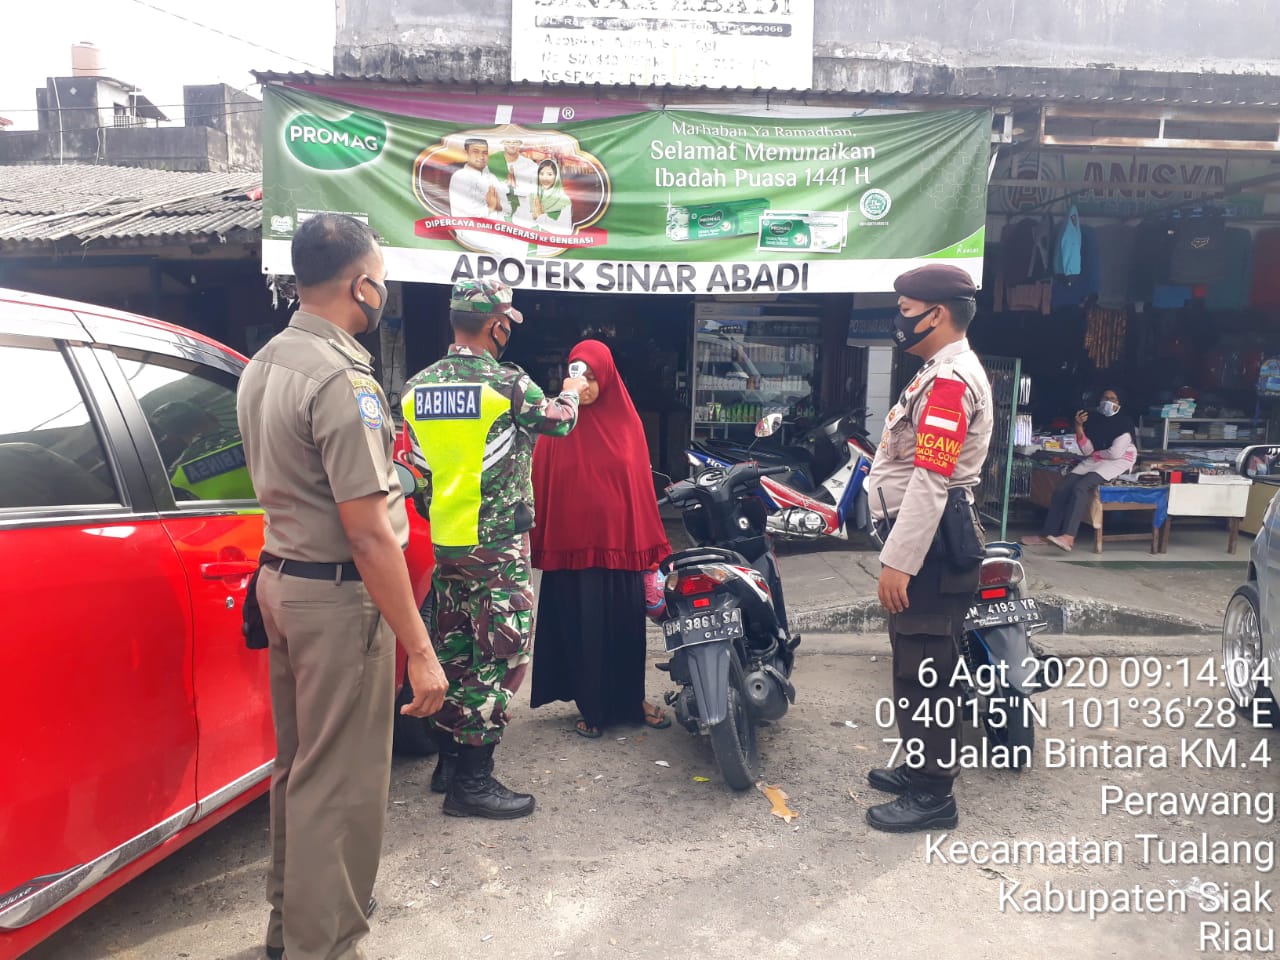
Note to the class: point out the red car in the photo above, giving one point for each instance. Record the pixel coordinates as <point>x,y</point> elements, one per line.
<point>134,717</point>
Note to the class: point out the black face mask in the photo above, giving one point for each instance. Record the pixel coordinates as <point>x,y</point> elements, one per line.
<point>500,348</point>
<point>904,329</point>
<point>372,314</point>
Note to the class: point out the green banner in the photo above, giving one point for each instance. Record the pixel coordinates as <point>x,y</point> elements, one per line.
<point>655,202</point>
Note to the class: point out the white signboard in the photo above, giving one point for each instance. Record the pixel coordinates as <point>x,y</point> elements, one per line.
<point>714,43</point>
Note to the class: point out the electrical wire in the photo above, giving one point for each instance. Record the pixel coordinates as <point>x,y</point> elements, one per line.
<point>205,26</point>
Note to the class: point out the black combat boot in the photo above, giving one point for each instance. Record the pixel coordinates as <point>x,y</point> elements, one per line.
<point>446,761</point>
<point>897,780</point>
<point>916,810</point>
<point>474,793</point>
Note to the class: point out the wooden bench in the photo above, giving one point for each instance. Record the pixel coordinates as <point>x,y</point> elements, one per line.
<point>1044,483</point>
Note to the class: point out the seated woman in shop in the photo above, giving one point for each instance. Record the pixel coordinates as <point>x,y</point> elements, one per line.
<point>1106,440</point>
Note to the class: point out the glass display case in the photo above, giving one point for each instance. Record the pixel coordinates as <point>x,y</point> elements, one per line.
<point>1166,433</point>
<point>750,359</point>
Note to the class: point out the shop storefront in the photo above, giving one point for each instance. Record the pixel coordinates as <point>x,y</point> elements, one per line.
<point>739,265</point>
<point>1153,271</point>
<point>717,254</point>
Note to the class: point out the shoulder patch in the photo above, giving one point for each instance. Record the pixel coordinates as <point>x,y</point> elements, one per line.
<point>942,427</point>
<point>368,400</point>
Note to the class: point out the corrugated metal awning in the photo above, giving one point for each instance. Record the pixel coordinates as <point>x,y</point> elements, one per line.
<point>41,206</point>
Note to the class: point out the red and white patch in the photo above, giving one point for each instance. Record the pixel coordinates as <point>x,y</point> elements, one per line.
<point>942,429</point>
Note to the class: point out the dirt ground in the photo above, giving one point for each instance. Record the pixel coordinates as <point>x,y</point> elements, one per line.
<point>632,854</point>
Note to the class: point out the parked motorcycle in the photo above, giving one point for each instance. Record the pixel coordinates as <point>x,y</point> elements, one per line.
<point>1003,668</point>
<point>837,507</point>
<point>724,621</point>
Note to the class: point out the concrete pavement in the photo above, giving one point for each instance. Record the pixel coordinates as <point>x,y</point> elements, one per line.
<point>637,850</point>
<point>830,586</point>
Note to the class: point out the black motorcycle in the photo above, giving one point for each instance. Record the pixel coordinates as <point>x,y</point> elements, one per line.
<point>1003,667</point>
<point>725,623</point>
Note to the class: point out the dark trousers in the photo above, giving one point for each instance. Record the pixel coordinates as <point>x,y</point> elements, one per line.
<point>1070,503</point>
<point>925,639</point>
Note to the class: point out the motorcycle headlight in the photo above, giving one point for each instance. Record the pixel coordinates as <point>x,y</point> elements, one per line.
<point>812,522</point>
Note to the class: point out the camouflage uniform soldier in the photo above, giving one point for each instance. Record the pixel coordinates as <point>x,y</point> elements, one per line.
<point>472,422</point>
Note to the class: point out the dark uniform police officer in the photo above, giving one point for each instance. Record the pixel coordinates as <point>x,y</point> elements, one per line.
<point>473,422</point>
<point>334,592</point>
<point>930,457</point>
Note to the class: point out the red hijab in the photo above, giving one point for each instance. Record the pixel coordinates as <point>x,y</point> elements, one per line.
<point>593,490</point>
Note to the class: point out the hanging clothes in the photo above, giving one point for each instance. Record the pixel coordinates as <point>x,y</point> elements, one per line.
<point>1027,264</point>
<point>1066,253</point>
<point>1073,291</point>
<point>1264,293</point>
<point>1199,250</point>
<point>1113,245</point>
<point>1232,291</point>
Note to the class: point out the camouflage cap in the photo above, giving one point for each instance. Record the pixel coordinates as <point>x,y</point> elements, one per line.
<point>482,296</point>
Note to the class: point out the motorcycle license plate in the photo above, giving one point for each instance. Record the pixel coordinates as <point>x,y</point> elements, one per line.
<point>703,627</point>
<point>997,613</point>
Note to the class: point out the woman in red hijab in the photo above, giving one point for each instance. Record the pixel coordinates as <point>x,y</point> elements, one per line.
<point>598,532</point>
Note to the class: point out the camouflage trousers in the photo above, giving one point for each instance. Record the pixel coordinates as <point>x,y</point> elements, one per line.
<point>482,633</point>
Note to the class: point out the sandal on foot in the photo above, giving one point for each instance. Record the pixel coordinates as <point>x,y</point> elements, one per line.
<point>1059,543</point>
<point>1031,540</point>
<point>655,717</point>
<point>591,733</point>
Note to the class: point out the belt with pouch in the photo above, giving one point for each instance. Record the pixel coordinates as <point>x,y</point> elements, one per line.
<point>307,570</point>
<point>955,541</point>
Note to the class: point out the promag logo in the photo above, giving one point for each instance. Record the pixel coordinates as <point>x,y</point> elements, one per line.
<point>334,144</point>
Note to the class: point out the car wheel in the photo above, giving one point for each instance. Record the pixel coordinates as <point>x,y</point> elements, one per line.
<point>1243,657</point>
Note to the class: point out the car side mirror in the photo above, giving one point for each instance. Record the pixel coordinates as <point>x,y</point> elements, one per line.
<point>768,426</point>
<point>1259,461</point>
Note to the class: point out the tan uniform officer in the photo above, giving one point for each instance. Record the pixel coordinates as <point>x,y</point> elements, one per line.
<point>930,458</point>
<point>334,592</point>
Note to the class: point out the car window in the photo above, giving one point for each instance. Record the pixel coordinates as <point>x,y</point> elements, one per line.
<point>51,454</point>
<point>191,410</point>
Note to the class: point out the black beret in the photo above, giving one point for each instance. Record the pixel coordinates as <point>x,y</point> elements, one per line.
<point>935,283</point>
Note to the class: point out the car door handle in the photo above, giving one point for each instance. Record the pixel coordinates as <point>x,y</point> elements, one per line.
<point>228,568</point>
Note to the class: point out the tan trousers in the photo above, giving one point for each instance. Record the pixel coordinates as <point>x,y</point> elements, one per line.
<point>332,676</point>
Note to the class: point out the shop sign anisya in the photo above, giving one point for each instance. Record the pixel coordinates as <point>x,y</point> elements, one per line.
<point>715,43</point>
<point>1125,184</point>
<point>652,202</point>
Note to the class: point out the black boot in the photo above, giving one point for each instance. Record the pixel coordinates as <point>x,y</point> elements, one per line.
<point>897,780</point>
<point>446,761</point>
<point>474,793</point>
<point>917,810</point>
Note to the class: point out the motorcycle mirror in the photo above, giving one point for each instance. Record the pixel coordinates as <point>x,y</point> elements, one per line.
<point>407,479</point>
<point>660,482</point>
<point>1260,462</point>
<point>768,426</point>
